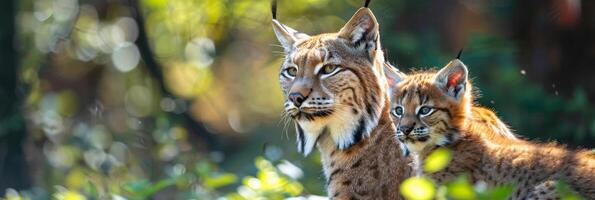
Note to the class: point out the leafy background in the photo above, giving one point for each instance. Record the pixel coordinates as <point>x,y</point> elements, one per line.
<point>180,99</point>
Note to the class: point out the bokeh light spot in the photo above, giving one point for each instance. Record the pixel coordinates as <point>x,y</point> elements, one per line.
<point>200,51</point>
<point>139,101</point>
<point>125,57</point>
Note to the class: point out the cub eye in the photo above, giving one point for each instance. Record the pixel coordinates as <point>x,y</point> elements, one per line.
<point>398,111</point>
<point>424,110</point>
<point>291,72</point>
<point>328,69</point>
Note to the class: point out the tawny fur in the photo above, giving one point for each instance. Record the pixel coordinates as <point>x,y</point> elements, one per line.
<point>371,169</point>
<point>483,152</point>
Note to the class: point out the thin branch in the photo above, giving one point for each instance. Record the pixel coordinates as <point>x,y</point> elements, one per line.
<point>154,68</point>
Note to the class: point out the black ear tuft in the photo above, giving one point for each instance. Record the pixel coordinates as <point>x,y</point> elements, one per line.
<point>274,8</point>
<point>367,3</point>
<point>459,55</point>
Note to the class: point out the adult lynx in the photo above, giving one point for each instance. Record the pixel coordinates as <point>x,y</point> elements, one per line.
<point>335,91</point>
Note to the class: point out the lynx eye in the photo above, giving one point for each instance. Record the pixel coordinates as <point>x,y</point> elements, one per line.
<point>290,72</point>
<point>425,110</point>
<point>328,70</point>
<point>398,111</point>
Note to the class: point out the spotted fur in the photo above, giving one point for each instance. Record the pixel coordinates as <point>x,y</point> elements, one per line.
<point>483,147</point>
<point>335,92</point>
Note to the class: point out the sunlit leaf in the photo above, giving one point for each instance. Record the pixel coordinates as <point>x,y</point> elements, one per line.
<point>69,195</point>
<point>263,164</point>
<point>158,186</point>
<point>221,180</point>
<point>75,179</point>
<point>418,188</point>
<point>12,194</point>
<point>294,188</point>
<point>460,188</point>
<point>437,160</point>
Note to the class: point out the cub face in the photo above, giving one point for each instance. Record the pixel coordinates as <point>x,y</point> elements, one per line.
<point>428,107</point>
<point>333,83</point>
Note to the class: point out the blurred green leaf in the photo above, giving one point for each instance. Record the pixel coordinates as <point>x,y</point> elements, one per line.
<point>91,189</point>
<point>565,192</point>
<point>460,188</point>
<point>158,186</point>
<point>143,188</point>
<point>497,193</point>
<point>418,188</point>
<point>220,181</point>
<point>437,160</point>
<point>136,186</point>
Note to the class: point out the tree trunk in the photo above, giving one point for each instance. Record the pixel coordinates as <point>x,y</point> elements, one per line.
<point>13,167</point>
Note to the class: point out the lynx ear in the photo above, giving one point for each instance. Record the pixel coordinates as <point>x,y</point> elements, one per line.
<point>393,75</point>
<point>452,79</point>
<point>362,30</point>
<point>287,36</point>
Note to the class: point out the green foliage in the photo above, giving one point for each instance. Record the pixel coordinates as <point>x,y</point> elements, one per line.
<point>269,183</point>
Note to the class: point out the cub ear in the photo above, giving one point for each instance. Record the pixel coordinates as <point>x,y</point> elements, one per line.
<point>287,36</point>
<point>393,75</point>
<point>452,79</point>
<point>362,30</point>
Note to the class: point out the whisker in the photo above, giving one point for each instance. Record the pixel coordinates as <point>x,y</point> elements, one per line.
<point>285,119</point>
<point>287,124</point>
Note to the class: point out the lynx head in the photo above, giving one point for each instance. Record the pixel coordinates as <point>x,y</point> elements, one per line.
<point>428,108</point>
<point>333,82</point>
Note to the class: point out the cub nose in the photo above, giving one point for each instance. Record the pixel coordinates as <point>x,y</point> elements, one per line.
<point>297,98</point>
<point>406,129</point>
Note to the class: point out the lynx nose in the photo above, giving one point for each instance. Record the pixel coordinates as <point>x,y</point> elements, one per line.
<point>299,92</point>
<point>407,128</point>
<point>297,98</point>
